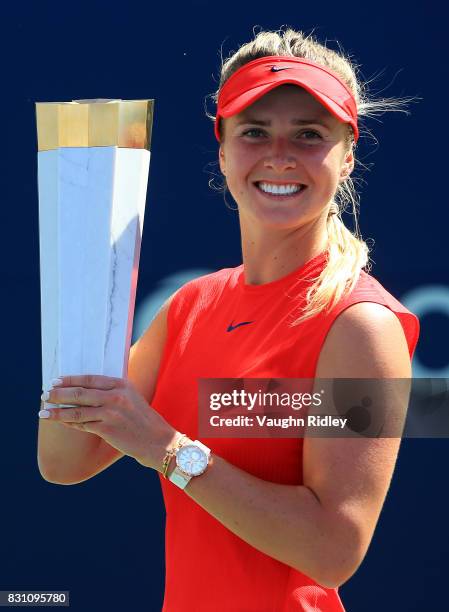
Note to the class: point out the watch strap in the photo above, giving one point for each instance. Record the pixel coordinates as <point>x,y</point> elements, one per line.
<point>202,446</point>
<point>178,478</point>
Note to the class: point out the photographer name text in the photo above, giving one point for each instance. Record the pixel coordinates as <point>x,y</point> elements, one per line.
<point>283,422</point>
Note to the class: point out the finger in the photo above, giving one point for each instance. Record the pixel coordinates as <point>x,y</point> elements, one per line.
<point>75,395</point>
<point>90,381</point>
<point>91,427</point>
<point>80,426</point>
<point>73,415</point>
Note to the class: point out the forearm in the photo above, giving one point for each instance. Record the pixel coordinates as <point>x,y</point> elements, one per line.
<point>64,453</point>
<point>286,522</point>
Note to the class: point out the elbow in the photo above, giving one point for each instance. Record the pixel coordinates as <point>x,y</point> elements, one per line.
<point>340,560</point>
<point>46,473</point>
<point>334,575</point>
<point>54,476</point>
<point>49,478</point>
<point>346,562</point>
<point>336,578</point>
<point>54,479</point>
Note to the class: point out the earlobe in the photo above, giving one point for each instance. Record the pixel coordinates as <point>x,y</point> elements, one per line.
<point>346,171</point>
<point>221,160</point>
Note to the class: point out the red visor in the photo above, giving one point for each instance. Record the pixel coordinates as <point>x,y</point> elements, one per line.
<point>253,80</point>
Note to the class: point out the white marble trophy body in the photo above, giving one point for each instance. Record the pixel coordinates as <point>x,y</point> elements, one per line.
<point>93,164</point>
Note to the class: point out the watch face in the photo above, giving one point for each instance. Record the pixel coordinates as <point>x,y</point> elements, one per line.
<point>191,460</point>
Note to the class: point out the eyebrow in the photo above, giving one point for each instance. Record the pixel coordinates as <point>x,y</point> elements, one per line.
<point>267,123</point>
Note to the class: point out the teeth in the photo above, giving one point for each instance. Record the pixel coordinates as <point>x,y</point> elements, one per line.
<point>279,189</point>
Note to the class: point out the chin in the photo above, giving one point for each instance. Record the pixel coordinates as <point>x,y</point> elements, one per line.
<point>280,221</point>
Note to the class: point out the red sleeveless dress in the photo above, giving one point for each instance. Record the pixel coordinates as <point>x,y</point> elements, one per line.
<point>207,566</point>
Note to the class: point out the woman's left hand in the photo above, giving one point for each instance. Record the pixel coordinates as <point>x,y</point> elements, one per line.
<point>113,409</point>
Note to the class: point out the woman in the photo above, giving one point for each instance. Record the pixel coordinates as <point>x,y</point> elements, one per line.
<point>272,523</point>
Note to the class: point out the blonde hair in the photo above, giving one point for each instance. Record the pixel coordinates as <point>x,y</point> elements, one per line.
<point>347,252</point>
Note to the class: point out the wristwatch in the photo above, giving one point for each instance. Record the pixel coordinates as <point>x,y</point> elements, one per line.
<point>192,459</point>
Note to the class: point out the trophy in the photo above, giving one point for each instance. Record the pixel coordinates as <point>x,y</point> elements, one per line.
<point>93,162</point>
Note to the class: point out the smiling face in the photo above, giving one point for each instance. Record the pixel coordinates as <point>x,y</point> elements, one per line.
<point>283,158</point>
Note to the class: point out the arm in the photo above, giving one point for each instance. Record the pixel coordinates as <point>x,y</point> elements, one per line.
<point>69,456</point>
<point>322,528</point>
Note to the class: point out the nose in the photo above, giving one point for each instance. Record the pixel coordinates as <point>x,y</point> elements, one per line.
<point>280,158</point>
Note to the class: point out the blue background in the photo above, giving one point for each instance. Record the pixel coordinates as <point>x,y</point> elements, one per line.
<point>103,539</point>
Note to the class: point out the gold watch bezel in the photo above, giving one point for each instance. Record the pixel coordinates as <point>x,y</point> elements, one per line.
<point>183,472</point>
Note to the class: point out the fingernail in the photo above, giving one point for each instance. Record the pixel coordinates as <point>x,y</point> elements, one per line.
<point>56,382</point>
<point>45,395</point>
<point>44,414</point>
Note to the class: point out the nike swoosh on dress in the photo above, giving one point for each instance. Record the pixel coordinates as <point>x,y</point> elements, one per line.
<point>232,326</point>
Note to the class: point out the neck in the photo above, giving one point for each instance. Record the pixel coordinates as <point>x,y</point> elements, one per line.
<point>270,254</point>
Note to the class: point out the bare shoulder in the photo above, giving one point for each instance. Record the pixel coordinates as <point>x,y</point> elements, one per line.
<point>365,340</point>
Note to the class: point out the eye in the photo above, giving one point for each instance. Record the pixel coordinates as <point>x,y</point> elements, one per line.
<point>311,135</point>
<point>253,132</point>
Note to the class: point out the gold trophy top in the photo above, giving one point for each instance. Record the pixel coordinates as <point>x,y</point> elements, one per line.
<point>94,123</point>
